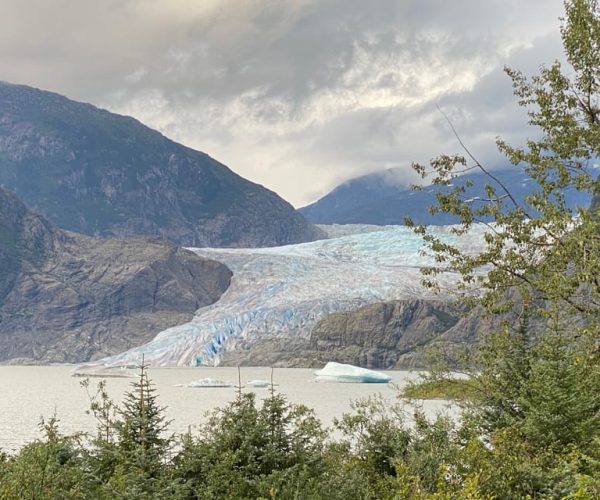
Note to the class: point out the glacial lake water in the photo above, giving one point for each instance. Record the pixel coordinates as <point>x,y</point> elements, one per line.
<point>30,392</point>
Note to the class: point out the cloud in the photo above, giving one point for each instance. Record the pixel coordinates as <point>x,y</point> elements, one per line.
<point>297,95</point>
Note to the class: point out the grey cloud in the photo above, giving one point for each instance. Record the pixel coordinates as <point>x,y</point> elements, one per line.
<point>297,95</point>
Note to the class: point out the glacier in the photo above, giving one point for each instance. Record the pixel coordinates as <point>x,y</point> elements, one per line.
<point>285,291</point>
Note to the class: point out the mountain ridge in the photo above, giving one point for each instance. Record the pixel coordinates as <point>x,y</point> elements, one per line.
<point>381,199</point>
<point>92,171</point>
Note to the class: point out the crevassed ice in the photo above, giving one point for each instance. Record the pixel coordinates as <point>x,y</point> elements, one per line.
<point>284,291</point>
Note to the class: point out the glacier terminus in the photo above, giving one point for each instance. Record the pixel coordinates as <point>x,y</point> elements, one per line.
<point>284,291</point>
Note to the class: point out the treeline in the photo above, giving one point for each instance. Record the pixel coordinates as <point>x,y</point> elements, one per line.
<point>533,432</point>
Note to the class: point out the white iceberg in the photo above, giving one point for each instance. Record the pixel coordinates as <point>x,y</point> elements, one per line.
<point>339,372</point>
<point>259,383</point>
<point>104,372</point>
<point>209,382</point>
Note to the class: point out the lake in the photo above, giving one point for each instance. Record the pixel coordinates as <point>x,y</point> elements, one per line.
<point>30,392</point>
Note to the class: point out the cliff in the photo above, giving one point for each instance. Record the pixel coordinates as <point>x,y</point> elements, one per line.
<point>66,297</point>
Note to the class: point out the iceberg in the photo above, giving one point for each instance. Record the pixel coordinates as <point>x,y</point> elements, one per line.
<point>284,291</point>
<point>259,383</point>
<point>339,372</point>
<point>209,382</point>
<point>104,372</point>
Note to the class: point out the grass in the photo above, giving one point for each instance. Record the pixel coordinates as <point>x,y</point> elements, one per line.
<point>443,388</point>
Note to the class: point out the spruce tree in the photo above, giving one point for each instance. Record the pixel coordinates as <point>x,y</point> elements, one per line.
<point>131,454</point>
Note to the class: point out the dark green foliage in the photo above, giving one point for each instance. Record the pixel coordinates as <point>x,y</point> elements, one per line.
<point>279,450</point>
<point>392,456</point>
<point>538,376</point>
<point>130,455</point>
<point>141,425</point>
<point>246,451</point>
<point>52,467</point>
<point>447,388</point>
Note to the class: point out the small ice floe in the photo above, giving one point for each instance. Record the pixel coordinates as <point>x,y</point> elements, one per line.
<point>259,383</point>
<point>209,382</point>
<point>339,372</point>
<point>104,372</point>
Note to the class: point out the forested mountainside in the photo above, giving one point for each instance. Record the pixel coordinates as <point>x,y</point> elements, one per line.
<point>95,172</point>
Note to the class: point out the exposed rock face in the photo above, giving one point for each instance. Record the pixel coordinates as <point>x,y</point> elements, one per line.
<point>66,297</point>
<point>379,335</point>
<point>95,172</point>
<point>386,335</point>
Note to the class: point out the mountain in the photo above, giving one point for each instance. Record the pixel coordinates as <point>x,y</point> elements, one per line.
<point>98,173</point>
<point>381,199</point>
<point>385,335</point>
<point>392,335</point>
<point>378,335</point>
<point>278,295</point>
<point>66,297</point>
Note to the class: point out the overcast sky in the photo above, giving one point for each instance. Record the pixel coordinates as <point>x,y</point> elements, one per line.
<point>297,95</point>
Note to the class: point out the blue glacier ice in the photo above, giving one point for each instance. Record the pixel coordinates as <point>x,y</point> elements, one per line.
<point>284,291</point>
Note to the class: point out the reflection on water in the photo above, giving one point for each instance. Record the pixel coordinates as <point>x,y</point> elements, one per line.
<point>30,392</point>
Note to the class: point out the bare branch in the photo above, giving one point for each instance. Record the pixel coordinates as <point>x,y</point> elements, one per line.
<point>478,163</point>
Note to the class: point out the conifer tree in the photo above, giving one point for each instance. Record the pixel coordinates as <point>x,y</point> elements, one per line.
<point>130,456</point>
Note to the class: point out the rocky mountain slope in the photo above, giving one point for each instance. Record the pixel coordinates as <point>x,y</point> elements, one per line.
<point>384,335</point>
<point>382,198</point>
<point>95,172</point>
<point>396,334</point>
<point>66,297</point>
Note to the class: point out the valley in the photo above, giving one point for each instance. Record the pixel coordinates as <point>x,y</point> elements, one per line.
<point>277,295</point>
